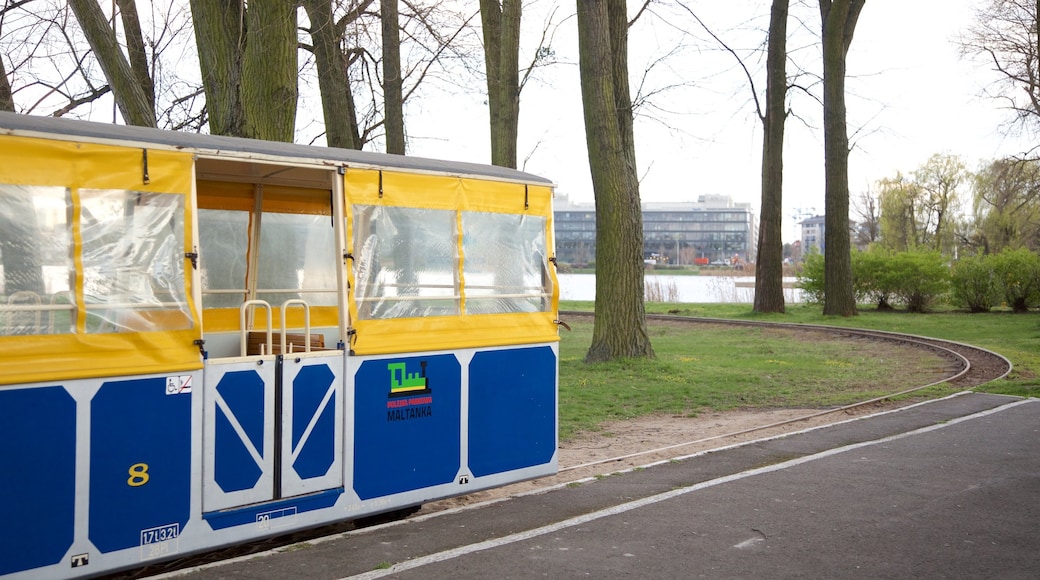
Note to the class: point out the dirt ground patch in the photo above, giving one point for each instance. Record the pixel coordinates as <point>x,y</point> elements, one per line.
<point>637,442</point>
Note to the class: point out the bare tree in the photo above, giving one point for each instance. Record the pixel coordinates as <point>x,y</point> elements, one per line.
<point>1005,35</point>
<point>769,269</point>
<point>839,19</point>
<point>249,66</point>
<point>867,209</point>
<point>332,64</point>
<point>620,328</point>
<point>6,97</point>
<point>131,85</point>
<point>500,20</point>
<point>393,98</point>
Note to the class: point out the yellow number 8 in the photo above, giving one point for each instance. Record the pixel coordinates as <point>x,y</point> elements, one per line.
<point>138,475</point>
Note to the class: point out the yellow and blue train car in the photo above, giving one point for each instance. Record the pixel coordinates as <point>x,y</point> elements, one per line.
<point>207,340</point>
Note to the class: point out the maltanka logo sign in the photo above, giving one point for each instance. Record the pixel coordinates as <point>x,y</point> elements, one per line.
<point>410,396</point>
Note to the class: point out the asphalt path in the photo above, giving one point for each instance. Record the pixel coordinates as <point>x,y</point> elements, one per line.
<point>945,489</point>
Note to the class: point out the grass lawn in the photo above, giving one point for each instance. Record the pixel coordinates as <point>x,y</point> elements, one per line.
<point>719,367</point>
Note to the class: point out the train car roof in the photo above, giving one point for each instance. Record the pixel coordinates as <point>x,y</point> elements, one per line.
<point>31,124</point>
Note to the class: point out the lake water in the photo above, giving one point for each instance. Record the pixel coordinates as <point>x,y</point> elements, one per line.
<point>692,289</point>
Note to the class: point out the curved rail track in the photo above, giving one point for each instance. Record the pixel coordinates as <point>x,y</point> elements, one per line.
<point>970,366</point>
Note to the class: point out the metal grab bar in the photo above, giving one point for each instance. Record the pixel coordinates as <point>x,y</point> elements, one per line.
<point>245,331</point>
<point>306,322</point>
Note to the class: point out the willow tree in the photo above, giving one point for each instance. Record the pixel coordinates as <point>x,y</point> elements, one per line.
<point>128,75</point>
<point>769,265</point>
<point>839,22</point>
<point>249,66</point>
<point>620,327</point>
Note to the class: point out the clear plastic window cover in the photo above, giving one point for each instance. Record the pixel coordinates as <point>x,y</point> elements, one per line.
<point>133,261</point>
<point>405,262</point>
<point>505,266</point>
<point>35,261</point>
<point>223,244</point>
<point>297,259</point>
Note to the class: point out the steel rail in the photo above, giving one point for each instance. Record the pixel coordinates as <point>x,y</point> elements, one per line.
<point>929,343</point>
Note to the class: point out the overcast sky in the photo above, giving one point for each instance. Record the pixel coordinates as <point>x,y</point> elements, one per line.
<point>910,95</point>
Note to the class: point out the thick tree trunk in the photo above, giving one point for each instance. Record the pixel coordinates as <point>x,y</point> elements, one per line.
<point>6,96</point>
<point>620,327</point>
<point>393,99</point>
<point>269,70</point>
<point>769,267</point>
<point>500,21</point>
<point>135,48</point>
<point>220,38</point>
<point>839,22</point>
<point>131,97</point>
<point>337,102</point>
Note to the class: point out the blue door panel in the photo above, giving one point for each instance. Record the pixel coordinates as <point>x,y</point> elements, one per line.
<point>512,409</point>
<point>407,424</point>
<point>38,456</point>
<point>140,462</point>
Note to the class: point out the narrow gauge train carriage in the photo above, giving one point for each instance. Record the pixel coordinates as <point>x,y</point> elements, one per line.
<point>206,340</point>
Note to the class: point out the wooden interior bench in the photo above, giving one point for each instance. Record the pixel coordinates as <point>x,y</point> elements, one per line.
<point>258,339</point>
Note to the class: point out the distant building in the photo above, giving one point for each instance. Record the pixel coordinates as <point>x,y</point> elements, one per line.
<point>713,229</point>
<point>813,230</point>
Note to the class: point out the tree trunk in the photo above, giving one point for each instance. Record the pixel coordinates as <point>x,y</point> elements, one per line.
<point>500,21</point>
<point>393,100</point>
<point>135,48</point>
<point>769,267</point>
<point>6,96</point>
<point>131,97</point>
<point>839,22</point>
<point>269,71</point>
<point>620,327</point>
<point>337,102</point>
<point>220,37</point>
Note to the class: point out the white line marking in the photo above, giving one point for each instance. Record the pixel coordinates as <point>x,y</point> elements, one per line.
<point>625,507</point>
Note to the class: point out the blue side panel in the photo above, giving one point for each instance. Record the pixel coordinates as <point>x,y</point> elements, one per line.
<point>406,440</point>
<point>234,468</point>
<point>512,409</point>
<point>37,477</point>
<point>140,461</point>
<point>271,511</point>
<point>319,450</point>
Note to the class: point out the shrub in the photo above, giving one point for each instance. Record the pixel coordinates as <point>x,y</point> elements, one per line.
<point>914,279</point>
<point>1018,278</point>
<point>871,277</point>
<point>974,284</point>
<point>918,279</point>
<point>810,279</point>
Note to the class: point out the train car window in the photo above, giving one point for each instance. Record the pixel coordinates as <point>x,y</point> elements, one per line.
<point>505,263</point>
<point>296,259</point>
<point>35,261</point>
<point>407,262</point>
<point>133,261</point>
<point>223,244</point>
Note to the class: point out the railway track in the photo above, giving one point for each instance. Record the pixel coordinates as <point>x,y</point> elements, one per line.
<point>970,366</point>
